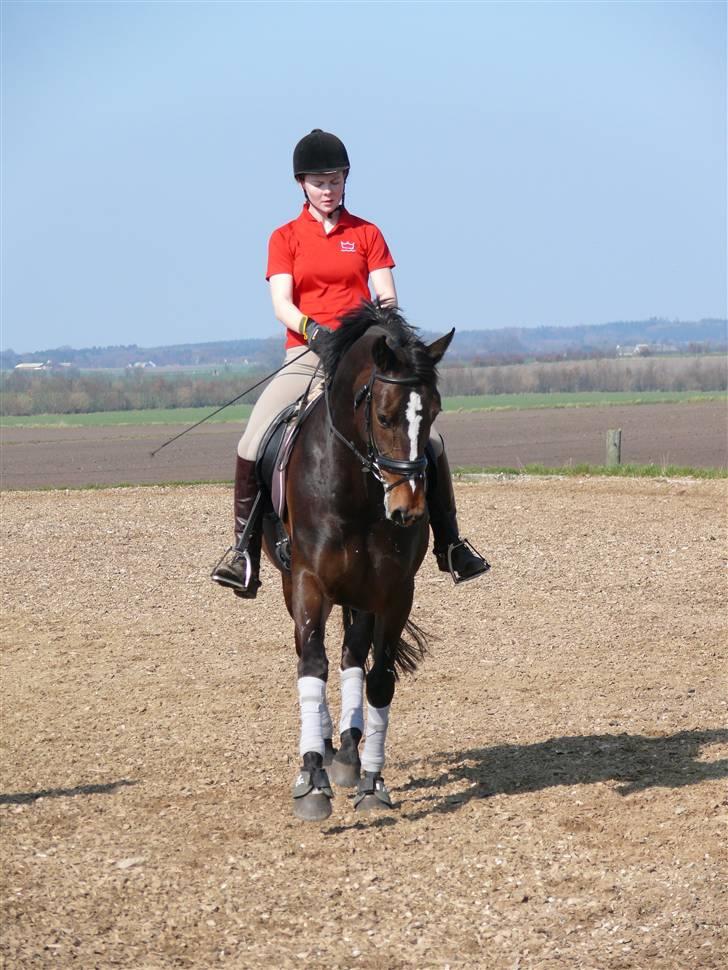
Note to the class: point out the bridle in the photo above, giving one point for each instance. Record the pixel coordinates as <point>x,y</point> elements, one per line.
<point>374,461</point>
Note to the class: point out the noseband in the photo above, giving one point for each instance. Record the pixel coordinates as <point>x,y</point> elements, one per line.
<point>374,461</point>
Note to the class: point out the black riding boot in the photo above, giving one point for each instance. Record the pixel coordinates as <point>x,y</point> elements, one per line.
<point>241,572</point>
<point>454,555</point>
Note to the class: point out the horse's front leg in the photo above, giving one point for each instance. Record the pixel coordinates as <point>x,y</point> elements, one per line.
<point>346,767</point>
<point>327,725</point>
<point>312,791</point>
<point>372,793</point>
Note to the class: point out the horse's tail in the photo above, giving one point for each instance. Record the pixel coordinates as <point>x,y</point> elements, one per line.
<point>408,655</point>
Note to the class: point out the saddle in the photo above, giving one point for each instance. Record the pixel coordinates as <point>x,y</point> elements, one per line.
<point>271,469</point>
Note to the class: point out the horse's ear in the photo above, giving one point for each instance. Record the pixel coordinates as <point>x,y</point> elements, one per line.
<point>437,349</point>
<point>384,356</point>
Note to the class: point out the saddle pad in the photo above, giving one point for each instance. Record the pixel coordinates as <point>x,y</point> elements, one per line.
<point>276,448</point>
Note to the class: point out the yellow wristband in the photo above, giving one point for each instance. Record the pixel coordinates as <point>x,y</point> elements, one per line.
<point>303,324</point>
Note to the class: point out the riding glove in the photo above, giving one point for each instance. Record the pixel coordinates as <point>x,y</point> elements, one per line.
<point>313,332</point>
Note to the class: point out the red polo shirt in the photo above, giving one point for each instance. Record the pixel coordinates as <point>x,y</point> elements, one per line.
<point>330,273</point>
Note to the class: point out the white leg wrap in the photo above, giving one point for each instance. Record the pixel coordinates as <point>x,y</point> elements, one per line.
<point>352,700</point>
<point>327,725</point>
<point>311,692</point>
<point>372,758</point>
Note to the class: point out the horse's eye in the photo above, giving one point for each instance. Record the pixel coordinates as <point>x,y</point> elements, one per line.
<point>382,419</point>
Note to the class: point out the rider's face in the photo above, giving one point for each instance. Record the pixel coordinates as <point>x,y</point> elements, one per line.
<point>324,191</point>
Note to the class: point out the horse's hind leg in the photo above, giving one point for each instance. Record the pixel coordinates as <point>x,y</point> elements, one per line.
<point>345,768</point>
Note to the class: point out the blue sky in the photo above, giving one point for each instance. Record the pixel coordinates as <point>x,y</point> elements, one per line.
<point>528,163</point>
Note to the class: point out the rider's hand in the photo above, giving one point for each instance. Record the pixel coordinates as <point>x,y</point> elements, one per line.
<point>314,333</point>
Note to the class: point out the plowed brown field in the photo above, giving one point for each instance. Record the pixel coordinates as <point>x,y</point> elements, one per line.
<point>559,762</point>
<point>690,434</point>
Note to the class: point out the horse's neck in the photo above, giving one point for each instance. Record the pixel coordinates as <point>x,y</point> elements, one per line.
<point>341,468</point>
<point>342,414</point>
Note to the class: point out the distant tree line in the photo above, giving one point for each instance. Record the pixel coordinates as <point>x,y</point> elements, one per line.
<point>75,393</point>
<point>599,374</point>
<point>52,393</point>
<point>695,348</point>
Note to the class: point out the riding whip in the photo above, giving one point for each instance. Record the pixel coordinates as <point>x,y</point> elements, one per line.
<point>222,407</point>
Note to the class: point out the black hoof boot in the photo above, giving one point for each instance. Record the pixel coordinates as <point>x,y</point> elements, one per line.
<point>345,769</point>
<point>329,752</point>
<point>372,794</point>
<point>312,792</point>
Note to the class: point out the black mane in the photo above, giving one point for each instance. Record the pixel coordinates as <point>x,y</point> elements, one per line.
<point>400,335</point>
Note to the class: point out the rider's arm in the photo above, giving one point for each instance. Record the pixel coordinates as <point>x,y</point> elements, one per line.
<point>383,285</point>
<point>281,291</point>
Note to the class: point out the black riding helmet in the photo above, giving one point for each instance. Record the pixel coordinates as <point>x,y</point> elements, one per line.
<point>319,151</point>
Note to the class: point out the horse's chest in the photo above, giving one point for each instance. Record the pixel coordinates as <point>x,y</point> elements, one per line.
<point>379,557</point>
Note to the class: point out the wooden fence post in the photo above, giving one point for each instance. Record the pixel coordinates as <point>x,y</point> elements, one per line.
<point>614,448</point>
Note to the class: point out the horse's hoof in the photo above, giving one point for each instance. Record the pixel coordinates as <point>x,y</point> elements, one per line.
<point>314,807</point>
<point>372,794</point>
<point>369,804</point>
<point>343,774</point>
<point>329,752</point>
<point>312,795</point>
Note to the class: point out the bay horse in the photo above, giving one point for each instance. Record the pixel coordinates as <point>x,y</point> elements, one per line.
<point>358,527</point>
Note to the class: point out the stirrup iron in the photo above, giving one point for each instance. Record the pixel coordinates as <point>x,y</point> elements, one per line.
<point>240,549</point>
<point>456,577</point>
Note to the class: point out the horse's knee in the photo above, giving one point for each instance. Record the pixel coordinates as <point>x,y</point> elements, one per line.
<point>353,655</point>
<point>380,686</point>
<point>313,663</point>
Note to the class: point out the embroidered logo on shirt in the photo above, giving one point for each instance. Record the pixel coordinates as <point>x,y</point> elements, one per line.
<point>348,247</point>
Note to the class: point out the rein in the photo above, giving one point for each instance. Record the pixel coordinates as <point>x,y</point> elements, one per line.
<point>374,462</point>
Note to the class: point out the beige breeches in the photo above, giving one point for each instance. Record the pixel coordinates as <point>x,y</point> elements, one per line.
<point>283,390</point>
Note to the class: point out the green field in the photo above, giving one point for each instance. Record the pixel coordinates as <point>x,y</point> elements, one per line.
<point>581,470</point>
<point>483,402</point>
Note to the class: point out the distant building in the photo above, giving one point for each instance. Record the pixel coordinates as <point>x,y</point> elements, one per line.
<point>33,366</point>
<point>141,365</point>
<point>646,350</point>
<point>30,368</point>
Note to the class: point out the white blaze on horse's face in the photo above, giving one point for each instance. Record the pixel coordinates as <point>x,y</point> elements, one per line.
<point>414,420</point>
<point>404,505</point>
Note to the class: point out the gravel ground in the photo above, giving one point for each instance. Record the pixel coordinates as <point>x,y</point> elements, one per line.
<point>559,762</point>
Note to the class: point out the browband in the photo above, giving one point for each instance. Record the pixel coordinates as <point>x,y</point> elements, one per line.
<point>412,381</point>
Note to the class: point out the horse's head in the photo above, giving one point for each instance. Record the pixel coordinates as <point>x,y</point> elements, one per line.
<point>403,401</point>
<point>394,383</point>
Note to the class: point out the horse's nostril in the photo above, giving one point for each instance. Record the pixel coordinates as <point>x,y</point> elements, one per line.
<point>403,517</point>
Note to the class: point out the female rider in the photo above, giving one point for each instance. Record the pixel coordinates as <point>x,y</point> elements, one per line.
<point>319,268</point>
